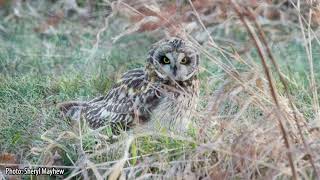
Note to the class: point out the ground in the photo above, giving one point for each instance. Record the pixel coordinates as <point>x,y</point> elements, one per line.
<point>39,70</point>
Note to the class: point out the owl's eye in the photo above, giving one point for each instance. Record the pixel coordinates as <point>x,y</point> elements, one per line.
<point>165,60</point>
<point>185,61</point>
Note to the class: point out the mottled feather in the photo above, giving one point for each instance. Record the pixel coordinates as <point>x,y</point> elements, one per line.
<point>161,94</point>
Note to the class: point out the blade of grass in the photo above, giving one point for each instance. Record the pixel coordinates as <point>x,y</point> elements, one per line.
<point>258,45</point>
<point>285,84</point>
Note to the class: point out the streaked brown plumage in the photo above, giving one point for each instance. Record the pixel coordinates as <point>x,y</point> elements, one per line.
<point>162,94</point>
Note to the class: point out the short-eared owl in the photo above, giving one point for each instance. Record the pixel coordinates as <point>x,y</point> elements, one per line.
<point>162,94</point>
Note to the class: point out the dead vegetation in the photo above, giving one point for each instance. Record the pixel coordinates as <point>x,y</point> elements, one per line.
<point>251,127</point>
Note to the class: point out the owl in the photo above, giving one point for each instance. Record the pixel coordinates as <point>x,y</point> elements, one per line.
<point>163,94</point>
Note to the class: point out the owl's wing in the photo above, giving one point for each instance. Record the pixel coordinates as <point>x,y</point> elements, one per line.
<point>128,100</point>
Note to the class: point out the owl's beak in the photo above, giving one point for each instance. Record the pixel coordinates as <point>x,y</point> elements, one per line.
<point>175,70</point>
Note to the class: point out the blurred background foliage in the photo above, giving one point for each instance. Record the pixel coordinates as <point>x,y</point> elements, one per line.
<point>57,50</point>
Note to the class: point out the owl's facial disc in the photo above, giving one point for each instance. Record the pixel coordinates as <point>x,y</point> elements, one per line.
<point>175,59</point>
<point>175,65</point>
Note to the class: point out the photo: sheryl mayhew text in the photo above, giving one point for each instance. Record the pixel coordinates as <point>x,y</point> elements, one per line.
<point>160,89</point>
<point>34,171</point>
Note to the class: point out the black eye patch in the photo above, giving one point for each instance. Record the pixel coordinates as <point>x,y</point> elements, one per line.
<point>185,60</point>
<point>164,60</point>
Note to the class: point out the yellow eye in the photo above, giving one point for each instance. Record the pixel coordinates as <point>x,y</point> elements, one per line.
<point>184,61</point>
<point>165,60</point>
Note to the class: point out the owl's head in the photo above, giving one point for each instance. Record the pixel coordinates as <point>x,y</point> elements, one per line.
<point>174,59</point>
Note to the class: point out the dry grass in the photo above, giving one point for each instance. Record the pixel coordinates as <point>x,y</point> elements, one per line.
<point>253,120</point>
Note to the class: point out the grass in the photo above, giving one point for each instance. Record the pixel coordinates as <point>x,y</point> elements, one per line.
<point>38,71</point>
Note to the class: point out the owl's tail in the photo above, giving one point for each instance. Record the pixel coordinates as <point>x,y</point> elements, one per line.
<point>72,109</point>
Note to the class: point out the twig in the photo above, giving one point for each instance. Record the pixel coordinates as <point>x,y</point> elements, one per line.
<point>271,86</point>
<point>117,168</point>
<point>286,88</point>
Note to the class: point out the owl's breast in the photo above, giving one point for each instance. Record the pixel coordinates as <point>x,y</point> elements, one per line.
<point>173,112</point>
